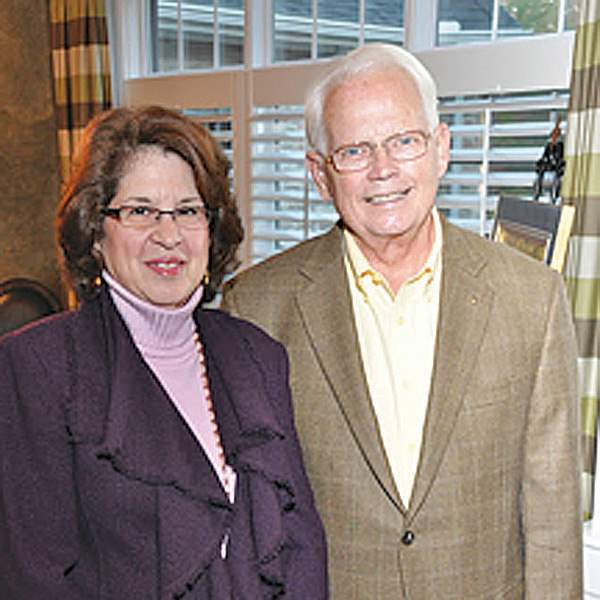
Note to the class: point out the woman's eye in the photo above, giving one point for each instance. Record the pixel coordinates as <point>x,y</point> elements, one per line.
<point>139,211</point>
<point>188,211</point>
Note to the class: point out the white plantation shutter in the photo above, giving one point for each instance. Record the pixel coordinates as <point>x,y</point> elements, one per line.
<point>256,113</point>
<point>219,122</point>
<point>286,207</point>
<point>496,141</point>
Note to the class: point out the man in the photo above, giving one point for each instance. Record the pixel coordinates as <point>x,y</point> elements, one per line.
<point>433,372</point>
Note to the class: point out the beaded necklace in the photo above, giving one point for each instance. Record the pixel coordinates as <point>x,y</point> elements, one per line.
<point>226,474</point>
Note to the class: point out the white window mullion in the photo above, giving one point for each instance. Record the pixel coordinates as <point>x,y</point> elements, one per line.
<point>314,38</point>
<point>562,9</point>
<point>362,15</point>
<point>485,169</point>
<point>216,36</point>
<point>420,24</point>
<point>495,19</point>
<point>258,33</point>
<point>242,151</point>
<point>306,215</point>
<point>179,36</point>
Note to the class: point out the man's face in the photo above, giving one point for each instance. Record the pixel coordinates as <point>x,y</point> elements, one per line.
<point>388,199</point>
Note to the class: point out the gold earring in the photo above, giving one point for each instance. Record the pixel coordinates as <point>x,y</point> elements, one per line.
<point>98,281</point>
<point>205,279</point>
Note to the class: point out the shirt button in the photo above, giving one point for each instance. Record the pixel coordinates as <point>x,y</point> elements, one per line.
<point>408,538</point>
<point>400,321</point>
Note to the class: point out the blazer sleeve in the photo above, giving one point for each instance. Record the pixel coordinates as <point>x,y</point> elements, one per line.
<point>229,301</point>
<point>551,499</point>
<point>307,573</point>
<point>38,524</point>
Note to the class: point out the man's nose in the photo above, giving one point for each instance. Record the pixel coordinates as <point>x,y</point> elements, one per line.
<point>382,166</point>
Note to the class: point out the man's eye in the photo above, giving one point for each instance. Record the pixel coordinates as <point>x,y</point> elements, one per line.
<point>351,152</point>
<point>404,140</point>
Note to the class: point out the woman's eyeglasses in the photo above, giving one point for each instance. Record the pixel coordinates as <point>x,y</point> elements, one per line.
<point>192,216</point>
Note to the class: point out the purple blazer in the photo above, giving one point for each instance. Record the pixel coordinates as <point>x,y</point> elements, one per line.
<point>106,493</point>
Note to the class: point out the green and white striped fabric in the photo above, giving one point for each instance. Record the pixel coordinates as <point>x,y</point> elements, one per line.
<point>581,188</point>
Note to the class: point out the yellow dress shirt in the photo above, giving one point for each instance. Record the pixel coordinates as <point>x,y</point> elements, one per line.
<point>397,335</point>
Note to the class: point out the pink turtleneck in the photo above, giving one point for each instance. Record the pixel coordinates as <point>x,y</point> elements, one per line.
<point>165,338</point>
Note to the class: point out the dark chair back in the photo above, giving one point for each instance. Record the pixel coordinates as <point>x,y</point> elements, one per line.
<point>23,301</point>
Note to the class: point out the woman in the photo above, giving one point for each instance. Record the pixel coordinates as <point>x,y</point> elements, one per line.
<point>148,446</point>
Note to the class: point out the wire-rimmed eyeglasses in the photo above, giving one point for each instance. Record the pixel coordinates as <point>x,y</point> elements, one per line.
<point>400,147</point>
<point>140,216</point>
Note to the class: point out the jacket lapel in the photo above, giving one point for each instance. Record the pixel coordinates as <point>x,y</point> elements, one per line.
<point>137,405</point>
<point>325,306</point>
<point>465,306</point>
<point>246,419</point>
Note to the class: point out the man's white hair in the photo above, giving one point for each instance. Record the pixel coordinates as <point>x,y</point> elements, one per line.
<point>371,58</point>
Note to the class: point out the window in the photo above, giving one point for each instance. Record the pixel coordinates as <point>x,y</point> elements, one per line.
<point>461,21</point>
<point>286,208</point>
<point>496,141</point>
<point>303,29</point>
<point>500,102</point>
<point>196,34</point>
<point>218,122</point>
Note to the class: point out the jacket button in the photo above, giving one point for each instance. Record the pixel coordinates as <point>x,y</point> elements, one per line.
<point>408,538</point>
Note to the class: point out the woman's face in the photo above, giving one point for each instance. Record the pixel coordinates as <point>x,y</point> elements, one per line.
<point>162,263</point>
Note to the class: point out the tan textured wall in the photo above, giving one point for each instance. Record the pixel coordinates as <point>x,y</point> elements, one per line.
<point>29,181</point>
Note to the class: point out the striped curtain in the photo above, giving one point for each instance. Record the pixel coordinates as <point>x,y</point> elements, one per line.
<point>81,70</point>
<point>581,187</point>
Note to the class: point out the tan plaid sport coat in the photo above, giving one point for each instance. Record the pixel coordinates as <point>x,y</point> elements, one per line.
<point>495,510</point>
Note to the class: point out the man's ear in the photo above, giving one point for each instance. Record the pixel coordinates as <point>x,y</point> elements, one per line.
<point>442,139</point>
<point>318,171</point>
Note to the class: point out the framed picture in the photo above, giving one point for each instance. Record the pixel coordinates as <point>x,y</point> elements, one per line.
<point>538,229</point>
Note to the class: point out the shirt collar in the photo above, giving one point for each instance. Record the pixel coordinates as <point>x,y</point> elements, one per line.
<point>362,271</point>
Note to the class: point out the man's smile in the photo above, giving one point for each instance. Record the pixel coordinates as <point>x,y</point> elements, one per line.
<point>388,198</point>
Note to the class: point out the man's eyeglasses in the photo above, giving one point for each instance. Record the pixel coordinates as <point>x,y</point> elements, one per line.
<point>400,147</point>
<point>192,216</point>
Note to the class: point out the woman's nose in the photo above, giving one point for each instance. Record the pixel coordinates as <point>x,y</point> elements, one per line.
<point>166,231</point>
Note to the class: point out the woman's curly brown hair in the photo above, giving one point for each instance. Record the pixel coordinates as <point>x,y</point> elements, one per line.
<point>109,143</point>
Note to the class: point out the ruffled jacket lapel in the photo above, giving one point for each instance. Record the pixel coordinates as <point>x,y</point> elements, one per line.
<point>135,427</point>
<point>144,436</point>
<point>254,443</point>
<point>138,430</point>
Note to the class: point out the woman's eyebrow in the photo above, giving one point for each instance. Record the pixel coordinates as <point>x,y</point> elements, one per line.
<point>190,200</point>
<point>140,199</point>
<point>146,200</point>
